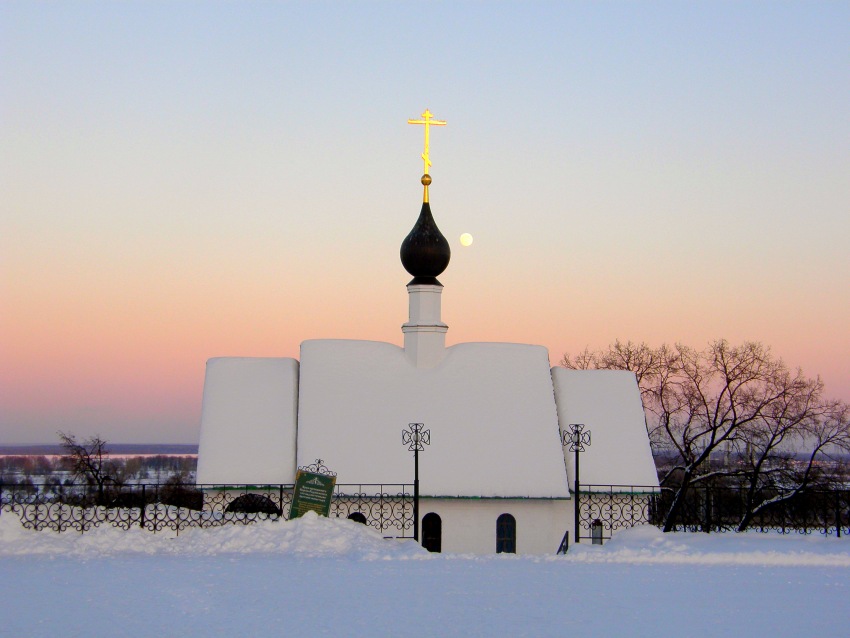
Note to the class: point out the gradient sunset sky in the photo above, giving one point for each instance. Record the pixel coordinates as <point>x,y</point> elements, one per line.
<point>188,180</point>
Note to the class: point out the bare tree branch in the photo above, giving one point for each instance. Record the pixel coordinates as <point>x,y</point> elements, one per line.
<point>734,398</point>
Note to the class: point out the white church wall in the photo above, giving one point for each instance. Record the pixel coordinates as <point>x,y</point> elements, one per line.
<point>248,421</point>
<point>608,403</point>
<point>489,408</point>
<point>469,525</point>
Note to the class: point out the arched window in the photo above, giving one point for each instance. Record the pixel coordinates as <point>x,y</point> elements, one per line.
<point>506,534</point>
<point>357,516</point>
<point>432,532</point>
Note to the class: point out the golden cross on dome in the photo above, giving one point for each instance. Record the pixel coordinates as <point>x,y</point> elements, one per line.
<point>428,121</point>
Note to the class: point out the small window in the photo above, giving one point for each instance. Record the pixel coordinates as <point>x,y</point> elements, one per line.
<point>506,534</point>
<point>432,532</point>
<point>358,517</point>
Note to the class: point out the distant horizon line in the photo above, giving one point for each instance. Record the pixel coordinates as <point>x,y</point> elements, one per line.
<point>112,448</point>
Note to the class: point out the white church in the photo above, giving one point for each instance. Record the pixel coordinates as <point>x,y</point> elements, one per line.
<point>495,476</point>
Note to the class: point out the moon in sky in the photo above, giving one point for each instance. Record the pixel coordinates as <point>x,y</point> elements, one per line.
<point>466,239</point>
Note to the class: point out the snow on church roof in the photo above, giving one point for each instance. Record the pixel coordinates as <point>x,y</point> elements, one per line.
<point>608,403</point>
<point>489,408</point>
<point>248,421</point>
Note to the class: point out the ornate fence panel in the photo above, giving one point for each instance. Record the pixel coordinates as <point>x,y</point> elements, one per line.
<point>708,508</point>
<point>157,507</point>
<point>386,508</point>
<point>606,508</point>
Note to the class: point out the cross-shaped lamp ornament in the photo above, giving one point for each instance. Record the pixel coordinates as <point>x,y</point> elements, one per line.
<point>576,437</point>
<point>416,438</point>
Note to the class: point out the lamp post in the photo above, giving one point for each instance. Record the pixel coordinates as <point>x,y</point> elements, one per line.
<point>576,438</point>
<point>416,438</point>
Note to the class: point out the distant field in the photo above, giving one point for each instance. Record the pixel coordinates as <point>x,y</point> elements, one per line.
<point>141,449</point>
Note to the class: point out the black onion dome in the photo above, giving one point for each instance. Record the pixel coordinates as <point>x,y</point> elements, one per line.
<point>425,253</point>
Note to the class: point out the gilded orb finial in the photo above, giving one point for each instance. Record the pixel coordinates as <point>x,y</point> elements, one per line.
<point>426,180</point>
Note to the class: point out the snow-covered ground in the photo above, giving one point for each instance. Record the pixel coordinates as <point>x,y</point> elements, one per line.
<point>325,577</point>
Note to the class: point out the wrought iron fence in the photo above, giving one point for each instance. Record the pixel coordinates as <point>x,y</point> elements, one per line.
<point>603,509</point>
<point>705,508</point>
<point>722,508</point>
<point>388,509</point>
<point>155,506</point>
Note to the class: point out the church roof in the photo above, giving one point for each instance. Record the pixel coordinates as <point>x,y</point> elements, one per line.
<point>489,408</point>
<point>608,403</point>
<point>248,421</point>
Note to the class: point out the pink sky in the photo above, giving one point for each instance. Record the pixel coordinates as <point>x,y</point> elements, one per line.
<point>180,184</point>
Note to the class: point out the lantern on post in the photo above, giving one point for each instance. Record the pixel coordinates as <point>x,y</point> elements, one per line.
<point>416,438</point>
<point>576,437</point>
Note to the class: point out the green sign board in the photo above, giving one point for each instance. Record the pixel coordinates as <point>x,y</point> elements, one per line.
<point>312,494</point>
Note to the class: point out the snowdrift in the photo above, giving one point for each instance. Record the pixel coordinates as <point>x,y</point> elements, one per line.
<point>310,536</point>
<point>316,537</point>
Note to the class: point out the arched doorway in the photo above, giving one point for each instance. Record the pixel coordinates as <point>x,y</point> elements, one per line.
<point>432,532</point>
<point>506,534</point>
<point>357,516</point>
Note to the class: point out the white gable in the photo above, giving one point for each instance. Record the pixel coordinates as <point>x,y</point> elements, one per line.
<point>248,421</point>
<point>608,403</point>
<point>489,408</point>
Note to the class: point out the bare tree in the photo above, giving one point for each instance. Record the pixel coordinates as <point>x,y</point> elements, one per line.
<point>648,364</point>
<point>783,457</point>
<point>89,460</point>
<point>587,359</point>
<point>701,402</point>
